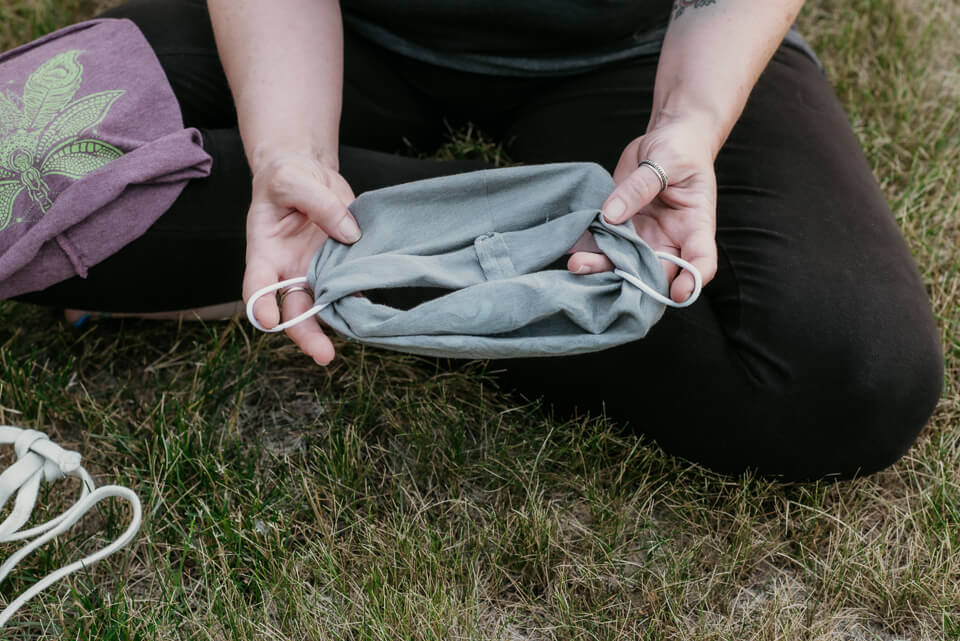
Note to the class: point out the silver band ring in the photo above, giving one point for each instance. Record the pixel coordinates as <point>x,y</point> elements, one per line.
<point>661,174</point>
<point>290,290</point>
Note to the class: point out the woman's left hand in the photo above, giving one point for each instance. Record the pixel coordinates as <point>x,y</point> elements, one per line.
<point>681,219</point>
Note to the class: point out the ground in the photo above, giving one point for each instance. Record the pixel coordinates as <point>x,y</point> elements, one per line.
<point>378,499</point>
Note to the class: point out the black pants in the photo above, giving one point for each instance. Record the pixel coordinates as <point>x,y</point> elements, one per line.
<point>813,352</point>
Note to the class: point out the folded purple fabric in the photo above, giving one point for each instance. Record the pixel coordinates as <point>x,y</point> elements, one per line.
<point>92,151</point>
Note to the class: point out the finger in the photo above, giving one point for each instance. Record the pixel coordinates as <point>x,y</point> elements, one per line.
<point>342,189</point>
<point>309,194</point>
<point>329,213</point>
<point>650,231</point>
<point>634,193</point>
<point>260,274</point>
<point>701,252</point>
<point>308,335</point>
<point>586,243</point>
<point>589,263</point>
<point>587,257</point>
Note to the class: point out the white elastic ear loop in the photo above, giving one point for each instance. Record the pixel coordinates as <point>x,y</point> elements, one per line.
<point>25,482</point>
<point>257,295</point>
<point>657,296</point>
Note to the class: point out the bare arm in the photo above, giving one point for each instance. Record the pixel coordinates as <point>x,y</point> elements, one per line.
<point>284,63</point>
<point>712,56</point>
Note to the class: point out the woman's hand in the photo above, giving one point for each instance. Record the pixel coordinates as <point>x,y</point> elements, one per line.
<point>680,220</point>
<point>711,58</point>
<point>298,202</point>
<point>284,62</point>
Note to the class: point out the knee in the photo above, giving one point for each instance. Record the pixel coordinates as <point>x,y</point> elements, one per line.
<point>862,408</point>
<point>899,400</point>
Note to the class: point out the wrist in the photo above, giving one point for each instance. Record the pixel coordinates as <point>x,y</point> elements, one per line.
<point>702,123</point>
<point>270,153</point>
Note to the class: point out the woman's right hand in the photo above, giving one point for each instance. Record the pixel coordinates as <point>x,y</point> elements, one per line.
<point>298,202</point>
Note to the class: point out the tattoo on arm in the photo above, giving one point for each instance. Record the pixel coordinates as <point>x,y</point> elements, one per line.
<point>679,6</point>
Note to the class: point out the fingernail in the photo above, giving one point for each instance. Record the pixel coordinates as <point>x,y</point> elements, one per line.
<point>583,269</point>
<point>349,230</point>
<point>614,209</point>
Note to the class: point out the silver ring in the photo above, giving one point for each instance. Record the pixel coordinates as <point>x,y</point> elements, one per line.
<point>290,290</point>
<point>661,174</point>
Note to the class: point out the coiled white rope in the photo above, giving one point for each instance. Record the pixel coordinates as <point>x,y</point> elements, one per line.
<point>39,458</point>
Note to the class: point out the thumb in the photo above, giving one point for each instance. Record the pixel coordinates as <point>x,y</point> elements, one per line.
<point>634,193</point>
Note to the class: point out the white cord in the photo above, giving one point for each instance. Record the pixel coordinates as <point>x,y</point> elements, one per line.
<point>313,311</point>
<point>40,459</point>
<point>657,296</point>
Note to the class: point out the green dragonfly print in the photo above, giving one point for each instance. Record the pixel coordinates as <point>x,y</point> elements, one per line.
<point>41,133</point>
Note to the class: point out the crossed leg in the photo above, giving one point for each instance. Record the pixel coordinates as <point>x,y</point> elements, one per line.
<point>814,351</point>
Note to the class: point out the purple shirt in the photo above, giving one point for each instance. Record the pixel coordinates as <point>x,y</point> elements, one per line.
<point>92,151</point>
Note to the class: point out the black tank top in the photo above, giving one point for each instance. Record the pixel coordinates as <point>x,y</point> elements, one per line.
<point>526,28</point>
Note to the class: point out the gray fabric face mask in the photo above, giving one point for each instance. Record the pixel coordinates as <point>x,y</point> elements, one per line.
<point>489,239</point>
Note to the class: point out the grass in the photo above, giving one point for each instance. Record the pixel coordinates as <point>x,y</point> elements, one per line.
<point>378,499</point>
